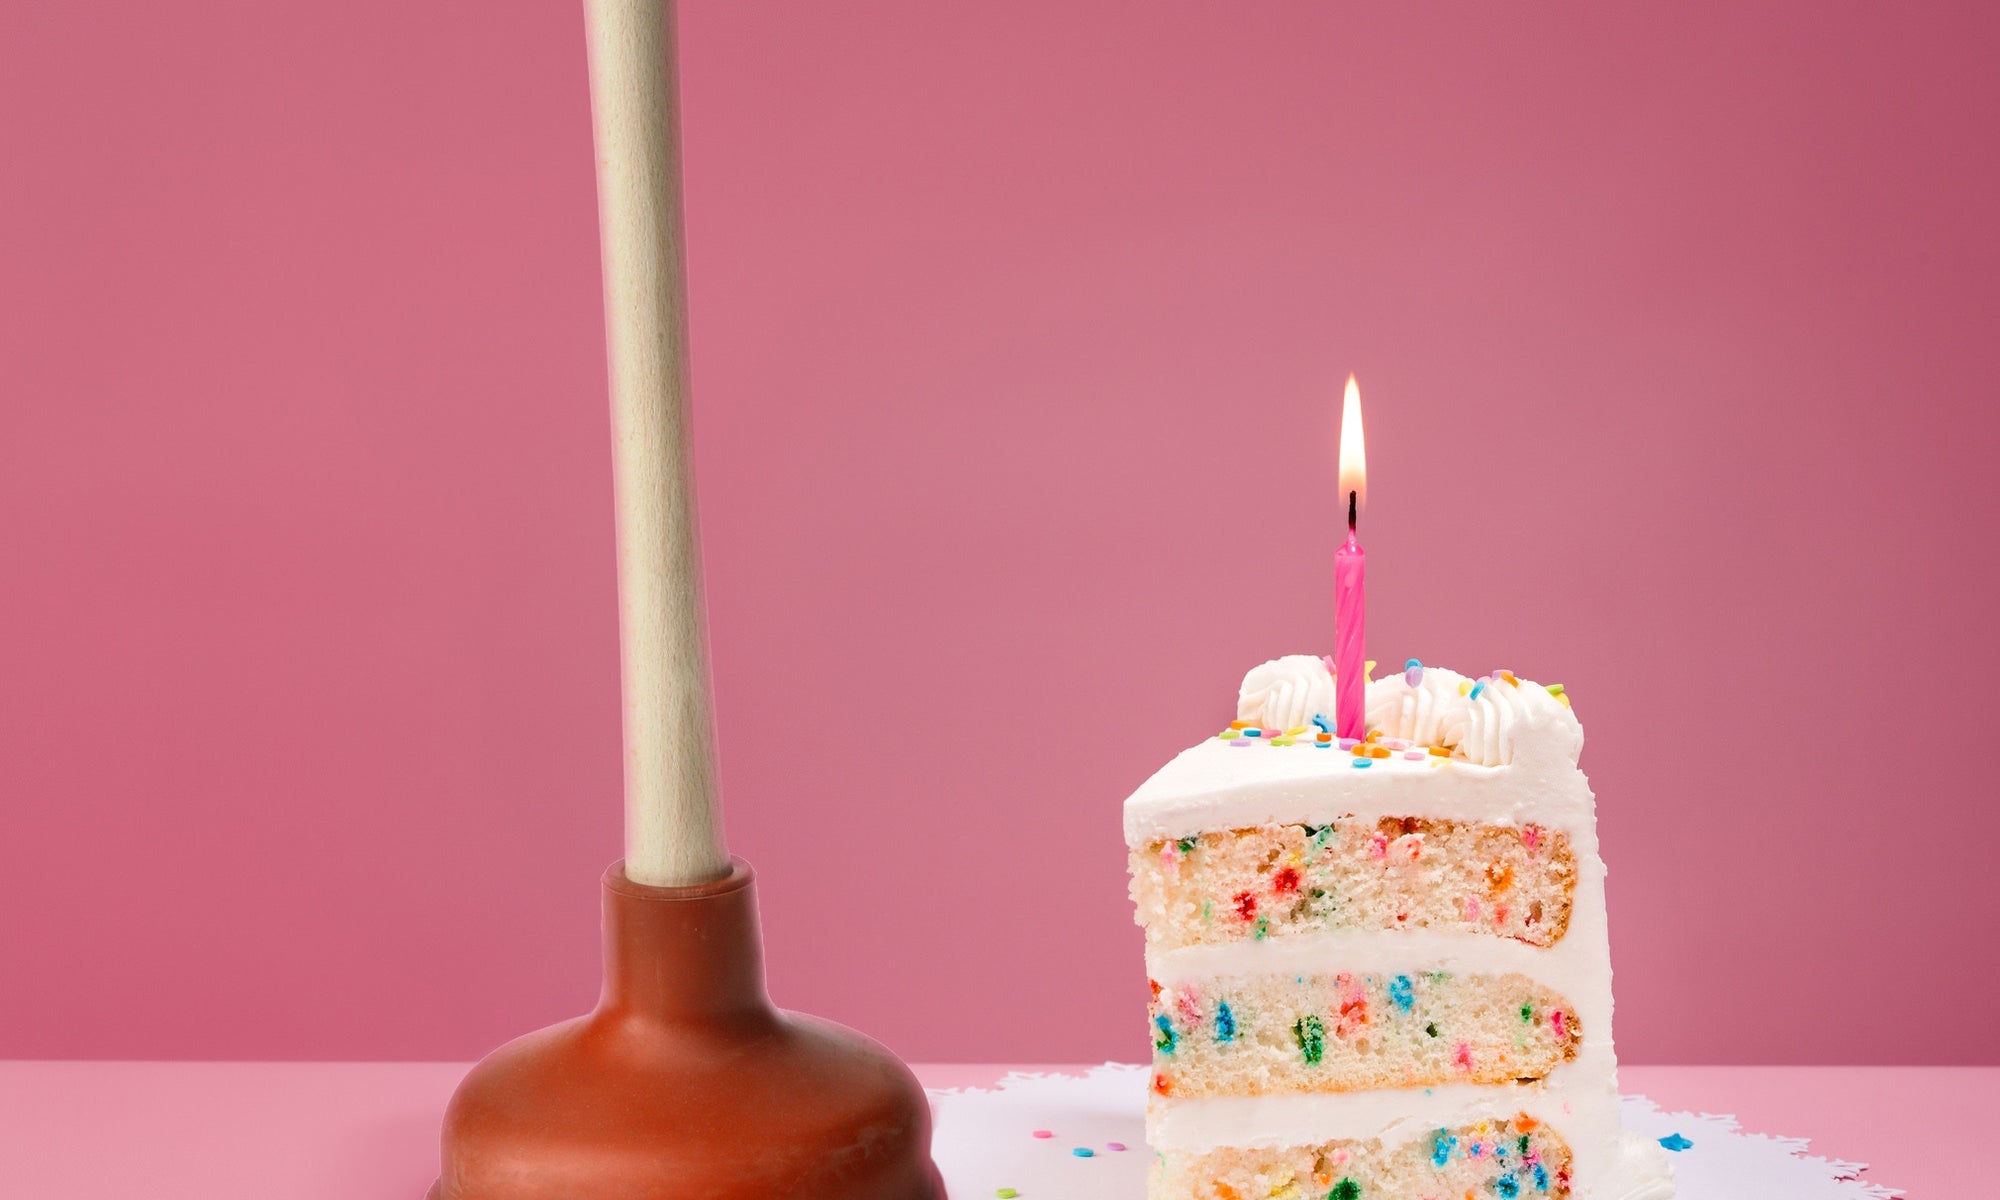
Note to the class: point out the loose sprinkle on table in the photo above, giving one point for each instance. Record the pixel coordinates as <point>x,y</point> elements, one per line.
<point>1005,1193</point>
<point>1675,1141</point>
<point>1114,1145</point>
<point>1044,1133</point>
<point>1084,1152</point>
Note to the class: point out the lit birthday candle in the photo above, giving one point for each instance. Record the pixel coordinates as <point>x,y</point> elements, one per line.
<point>1350,570</point>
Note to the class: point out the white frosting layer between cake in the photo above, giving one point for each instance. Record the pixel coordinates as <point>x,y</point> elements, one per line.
<point>1515,749</point>
<point>1381,952</point>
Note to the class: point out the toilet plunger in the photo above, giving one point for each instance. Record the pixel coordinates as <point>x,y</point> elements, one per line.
<point>685,1083</point>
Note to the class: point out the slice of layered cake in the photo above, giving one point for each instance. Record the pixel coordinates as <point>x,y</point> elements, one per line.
<point>1379,968</point>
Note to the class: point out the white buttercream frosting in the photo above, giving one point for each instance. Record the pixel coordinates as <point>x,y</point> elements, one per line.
<point>1286,693</point>
<point>1216,785</point>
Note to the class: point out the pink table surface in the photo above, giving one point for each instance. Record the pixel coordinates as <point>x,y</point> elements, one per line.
<point>352,1131</point>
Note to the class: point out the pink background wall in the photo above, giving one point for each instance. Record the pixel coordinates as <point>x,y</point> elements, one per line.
<point>1019,332</point>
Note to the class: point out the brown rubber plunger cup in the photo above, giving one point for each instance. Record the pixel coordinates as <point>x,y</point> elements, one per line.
<point>685,1083</point>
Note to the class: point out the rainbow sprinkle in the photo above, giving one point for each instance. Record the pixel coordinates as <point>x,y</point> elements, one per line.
<point>1084,1152</point>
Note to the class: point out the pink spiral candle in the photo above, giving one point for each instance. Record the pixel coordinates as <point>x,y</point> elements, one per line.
<point>1350,657</point>
<point>1350,570</point>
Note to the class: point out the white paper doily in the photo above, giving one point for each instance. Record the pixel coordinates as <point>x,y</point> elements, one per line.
<point>985,1141</point>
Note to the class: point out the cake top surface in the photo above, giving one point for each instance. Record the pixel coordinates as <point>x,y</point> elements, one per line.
<point>1498,746</point>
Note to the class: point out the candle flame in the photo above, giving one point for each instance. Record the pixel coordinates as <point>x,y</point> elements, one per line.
<point>1353,449</point>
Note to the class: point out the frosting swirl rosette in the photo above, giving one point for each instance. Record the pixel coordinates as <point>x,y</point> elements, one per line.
<point>1492,721</point>
<point>1508,720</point>
<point>1429,712</point>
<point>1286,693</point>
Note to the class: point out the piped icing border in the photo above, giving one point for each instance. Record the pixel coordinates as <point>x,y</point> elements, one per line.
<point>1494,720</point>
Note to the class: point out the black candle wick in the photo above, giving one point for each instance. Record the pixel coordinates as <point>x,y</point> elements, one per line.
<point>1350,510</point>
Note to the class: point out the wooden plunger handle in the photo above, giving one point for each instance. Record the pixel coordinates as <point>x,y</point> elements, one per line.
<point>673,825</point>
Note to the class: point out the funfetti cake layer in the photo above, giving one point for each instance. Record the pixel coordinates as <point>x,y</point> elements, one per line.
<point>1508,1159</point>
<point>1392,873</point>
<point>1361,952</point>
